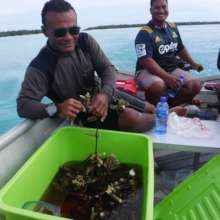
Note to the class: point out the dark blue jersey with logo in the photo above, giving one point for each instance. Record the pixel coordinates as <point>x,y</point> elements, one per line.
<point>161,44</point>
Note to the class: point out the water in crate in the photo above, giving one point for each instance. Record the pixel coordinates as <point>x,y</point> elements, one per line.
<point>98,188</point>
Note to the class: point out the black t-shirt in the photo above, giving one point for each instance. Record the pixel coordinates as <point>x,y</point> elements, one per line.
<point>63,76</point>
<point>160,44</point>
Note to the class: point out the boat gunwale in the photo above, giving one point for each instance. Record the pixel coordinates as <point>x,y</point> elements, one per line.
<point>15,133</point>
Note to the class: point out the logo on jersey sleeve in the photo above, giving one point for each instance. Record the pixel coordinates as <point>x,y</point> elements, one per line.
<point>140,50</point>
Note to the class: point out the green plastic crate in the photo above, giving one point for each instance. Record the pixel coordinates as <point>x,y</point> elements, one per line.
<point>196,198</point>
<point>76,144</point>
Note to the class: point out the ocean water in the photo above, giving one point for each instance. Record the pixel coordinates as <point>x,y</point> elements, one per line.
<point>202,42</point>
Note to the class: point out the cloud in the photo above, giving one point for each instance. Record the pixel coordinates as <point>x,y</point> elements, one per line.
<point>25,14</point>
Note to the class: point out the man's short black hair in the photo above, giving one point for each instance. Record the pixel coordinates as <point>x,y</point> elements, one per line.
<point>57,6</point>
<point>152,1</point>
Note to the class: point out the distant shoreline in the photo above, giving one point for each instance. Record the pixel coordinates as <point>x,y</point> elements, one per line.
<point>101,27</point>
<point>141,25</point>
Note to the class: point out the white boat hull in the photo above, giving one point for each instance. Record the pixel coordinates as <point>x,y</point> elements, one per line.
<point>19,143</point>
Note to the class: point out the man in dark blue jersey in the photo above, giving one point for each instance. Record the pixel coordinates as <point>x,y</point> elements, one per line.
<point>158,47</point>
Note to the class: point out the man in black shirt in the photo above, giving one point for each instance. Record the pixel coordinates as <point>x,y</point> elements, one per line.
<point>157,46</point>
<point>64,69</point>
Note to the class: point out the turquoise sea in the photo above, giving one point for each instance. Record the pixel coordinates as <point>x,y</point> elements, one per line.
<point>203,42</point>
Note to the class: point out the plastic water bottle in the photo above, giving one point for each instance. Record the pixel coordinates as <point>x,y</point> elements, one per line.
<point>171,93</point>
<point>162,112</point>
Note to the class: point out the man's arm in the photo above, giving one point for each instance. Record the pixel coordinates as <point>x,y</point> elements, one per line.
<point>184,54</point>
<point>107,73</point>
<point>105,70</point>
<point>34,88</point>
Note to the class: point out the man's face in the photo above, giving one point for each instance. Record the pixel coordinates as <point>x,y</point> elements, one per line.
<point>159,11</point>
<point>57,29</point>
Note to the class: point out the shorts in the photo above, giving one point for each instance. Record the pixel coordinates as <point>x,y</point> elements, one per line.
<point>145,79</point>
<point>110,123</point>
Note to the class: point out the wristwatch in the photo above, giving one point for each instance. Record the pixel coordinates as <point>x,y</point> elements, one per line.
<point>51,109</point>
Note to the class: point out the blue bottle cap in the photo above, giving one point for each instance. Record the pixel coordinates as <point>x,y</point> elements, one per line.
<point>163,99</point>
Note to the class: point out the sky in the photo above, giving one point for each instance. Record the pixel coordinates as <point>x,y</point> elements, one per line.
<point>25,14</point>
